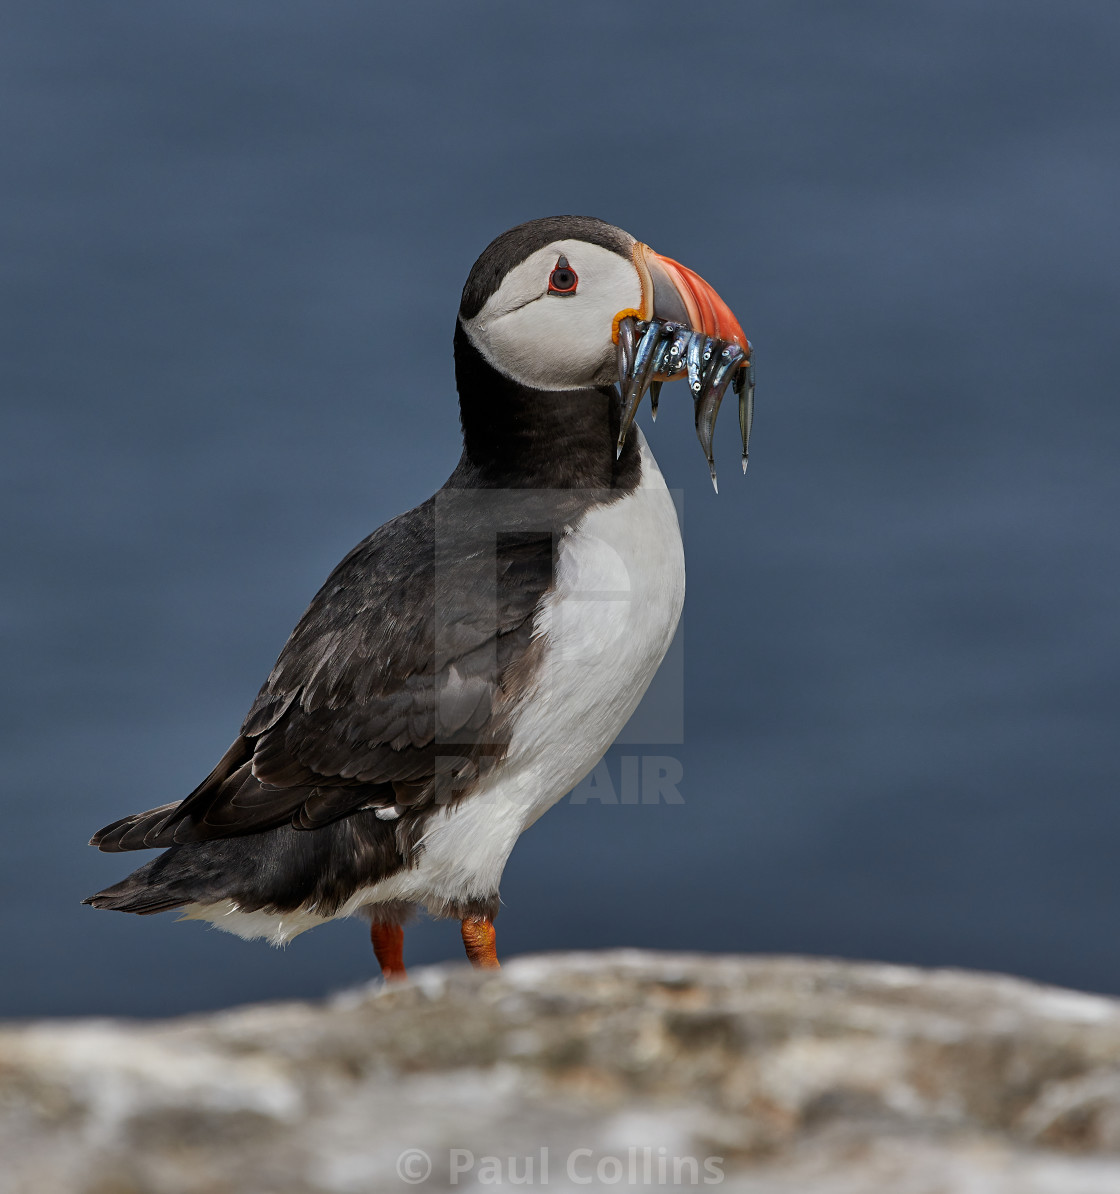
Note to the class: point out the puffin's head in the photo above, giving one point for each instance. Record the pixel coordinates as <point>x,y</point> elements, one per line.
<point>571,303</point>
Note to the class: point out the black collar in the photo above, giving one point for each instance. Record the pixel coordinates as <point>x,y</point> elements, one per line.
<point>517,437</point>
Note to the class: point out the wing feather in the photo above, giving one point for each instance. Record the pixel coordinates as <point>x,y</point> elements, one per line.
<point>402,660</point>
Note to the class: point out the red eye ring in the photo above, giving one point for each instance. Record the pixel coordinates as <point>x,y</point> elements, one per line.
<point>563,280</point>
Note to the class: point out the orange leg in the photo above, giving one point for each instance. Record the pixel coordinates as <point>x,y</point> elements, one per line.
<point>388,946</point>
<point>478,937</point>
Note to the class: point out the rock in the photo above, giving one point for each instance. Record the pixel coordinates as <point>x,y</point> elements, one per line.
<point>762,1075</point>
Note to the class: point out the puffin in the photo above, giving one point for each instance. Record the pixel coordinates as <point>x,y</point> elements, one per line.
<point>468,663</point>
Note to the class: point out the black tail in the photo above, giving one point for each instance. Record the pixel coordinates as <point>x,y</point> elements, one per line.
<point>278,869</point>
<point>141,892</point>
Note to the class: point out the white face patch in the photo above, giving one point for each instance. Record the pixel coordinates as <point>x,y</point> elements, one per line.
<point>557,342</point>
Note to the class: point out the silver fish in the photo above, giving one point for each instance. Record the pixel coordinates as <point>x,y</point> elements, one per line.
<point>652,352</point>
<point>744,387</point>
<point>645,360</point>
<point>722,364</point>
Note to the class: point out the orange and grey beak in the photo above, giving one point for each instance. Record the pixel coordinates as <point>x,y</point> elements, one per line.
<point>674,293</point>
<point>682,327</point>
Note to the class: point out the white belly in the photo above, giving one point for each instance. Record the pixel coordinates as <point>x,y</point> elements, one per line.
<point>606,627</point>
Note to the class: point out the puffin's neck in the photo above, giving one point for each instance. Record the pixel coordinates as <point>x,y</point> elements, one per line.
<point>516,437</point>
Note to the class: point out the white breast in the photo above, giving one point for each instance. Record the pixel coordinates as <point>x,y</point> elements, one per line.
<point>606,625</point>
<point>605,628</point>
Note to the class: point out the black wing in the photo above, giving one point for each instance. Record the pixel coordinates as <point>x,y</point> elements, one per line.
<point>402,672</point>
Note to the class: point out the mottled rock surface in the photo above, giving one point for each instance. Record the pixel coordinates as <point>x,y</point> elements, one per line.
<point>616,1070</point>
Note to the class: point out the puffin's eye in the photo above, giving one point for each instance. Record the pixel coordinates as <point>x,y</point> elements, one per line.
<point>563,278</point>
